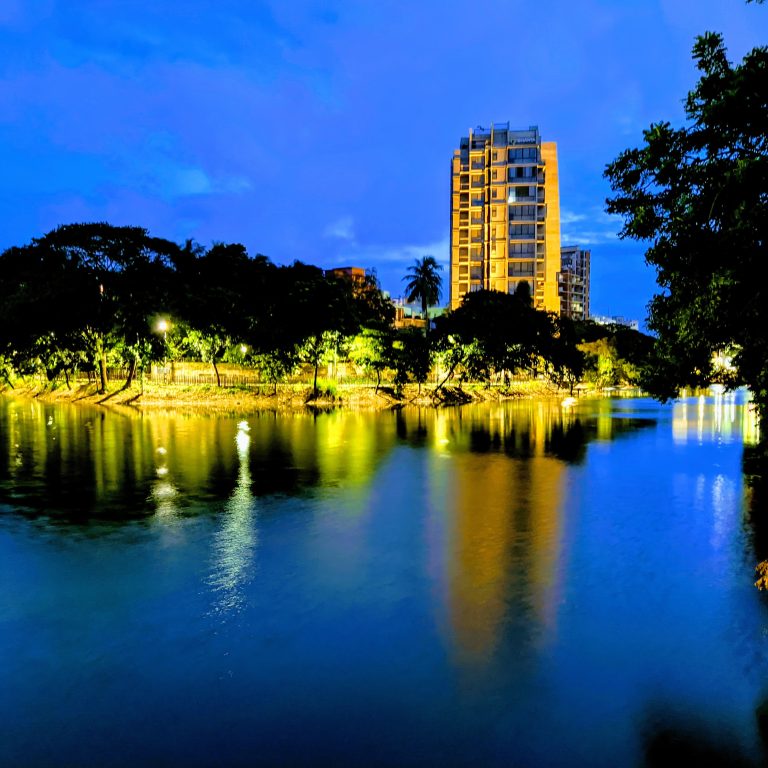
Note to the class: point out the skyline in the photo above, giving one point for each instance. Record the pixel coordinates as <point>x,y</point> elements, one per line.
<point>324,133</point>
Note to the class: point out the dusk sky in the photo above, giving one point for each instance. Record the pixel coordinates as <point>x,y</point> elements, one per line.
<point>323,131</point>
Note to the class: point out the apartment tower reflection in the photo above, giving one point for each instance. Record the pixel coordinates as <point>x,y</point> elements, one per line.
<point>505,507</point>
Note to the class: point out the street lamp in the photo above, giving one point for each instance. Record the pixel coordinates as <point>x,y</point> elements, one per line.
<point>162,327</point>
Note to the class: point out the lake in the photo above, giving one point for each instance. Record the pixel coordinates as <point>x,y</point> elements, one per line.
<point>514,584</point>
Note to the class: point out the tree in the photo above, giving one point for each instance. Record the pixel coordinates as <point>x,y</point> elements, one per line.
<point>493,333</point>
<point>372,351</point>
<point>565,361</point>
<point>424,284</point>
<point>410,357</point>
<point>82,288</point>
<point>699,195</point>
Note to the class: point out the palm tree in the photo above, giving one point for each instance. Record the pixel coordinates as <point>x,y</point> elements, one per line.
<point>424,283</point>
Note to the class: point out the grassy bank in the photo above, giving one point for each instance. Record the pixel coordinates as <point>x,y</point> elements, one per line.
<point>209,398</point>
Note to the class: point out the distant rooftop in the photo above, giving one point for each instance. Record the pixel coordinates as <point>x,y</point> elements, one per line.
<point>502,135</point>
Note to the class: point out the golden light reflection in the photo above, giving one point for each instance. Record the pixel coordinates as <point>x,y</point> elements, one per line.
<point>720,418</point>
<point>164,493</point>
<point>505,514</point>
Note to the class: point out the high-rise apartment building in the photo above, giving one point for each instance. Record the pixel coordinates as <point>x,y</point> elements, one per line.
<point>574,282</point>
<point>505,214</point>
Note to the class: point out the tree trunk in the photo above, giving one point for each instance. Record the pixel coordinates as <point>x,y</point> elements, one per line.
<point>314,385</point>
<point>216,371</point>
<point>448,376</point>
<point>378,382</point>
<point>132,371</point>
<point>66,378</point>
<point>425,313</point>
<point>102,358</point>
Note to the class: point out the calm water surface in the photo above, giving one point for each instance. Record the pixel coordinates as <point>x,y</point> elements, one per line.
<point>511,585</point>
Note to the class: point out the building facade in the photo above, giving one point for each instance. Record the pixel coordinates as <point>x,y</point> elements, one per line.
<point>505,215</point>
<point>573,282</point>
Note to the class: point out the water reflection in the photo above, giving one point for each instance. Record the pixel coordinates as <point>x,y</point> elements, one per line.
<point>522,429</point>
<point>506,525</point>
<point>726,417</point>
<point>504,584</point>
<point>79,464</point>
<point>234,542</point>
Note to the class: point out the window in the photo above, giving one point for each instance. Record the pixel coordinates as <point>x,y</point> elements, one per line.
<point>523,153</point>
<point>522,172</point>
<point>521,193</point>
<point>522,212</point>
<point>522,249</point>
<point>521,269</point>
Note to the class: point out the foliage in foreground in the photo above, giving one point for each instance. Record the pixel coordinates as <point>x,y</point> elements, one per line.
<point>699,195</point>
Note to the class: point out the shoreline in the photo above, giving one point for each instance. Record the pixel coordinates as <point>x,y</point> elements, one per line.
<point>289,397</point>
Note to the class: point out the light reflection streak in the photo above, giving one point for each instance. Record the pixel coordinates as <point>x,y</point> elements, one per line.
<point>720,418</point>
<point>235,541</point>
<point>164,492</point>
<point>164,495</point>
<point>725,509</point>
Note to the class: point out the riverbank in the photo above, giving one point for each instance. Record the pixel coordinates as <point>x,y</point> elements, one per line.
<point>289,397</point>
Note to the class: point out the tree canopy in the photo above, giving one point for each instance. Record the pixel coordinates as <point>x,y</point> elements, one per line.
<point>699,194</point>
<point>424,283</point>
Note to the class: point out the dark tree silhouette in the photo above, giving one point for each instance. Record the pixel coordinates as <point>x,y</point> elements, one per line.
<point>424,284</point>
<point>699,195</point>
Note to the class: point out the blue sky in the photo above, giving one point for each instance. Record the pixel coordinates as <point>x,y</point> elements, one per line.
<point>323,131</point>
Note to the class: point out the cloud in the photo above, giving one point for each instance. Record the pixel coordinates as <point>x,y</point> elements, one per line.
<point>171,180</point>
<point>342,228</point>
<point>401,254</point>
<point>568,217</point>
<point>593,228</point>
<point>187,181</point>
<point>391,261</point>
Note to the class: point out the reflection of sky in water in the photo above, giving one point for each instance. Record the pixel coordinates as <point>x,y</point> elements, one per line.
<point>501,584</point>
<point>234,542</point>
